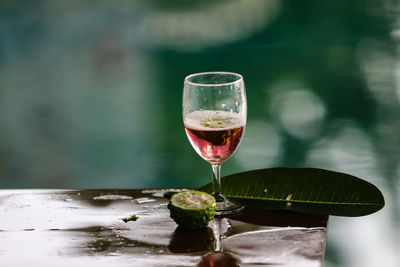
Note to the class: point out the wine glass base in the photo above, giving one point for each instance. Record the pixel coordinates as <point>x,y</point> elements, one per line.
<point>226,207</point>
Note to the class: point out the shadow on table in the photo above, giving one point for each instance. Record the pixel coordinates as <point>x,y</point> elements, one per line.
<point>281,218</point>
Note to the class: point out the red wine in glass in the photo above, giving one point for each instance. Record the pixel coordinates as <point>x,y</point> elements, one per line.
<point>214,135</point>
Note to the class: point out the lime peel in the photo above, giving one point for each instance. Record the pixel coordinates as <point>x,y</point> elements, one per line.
<point>192,209</point>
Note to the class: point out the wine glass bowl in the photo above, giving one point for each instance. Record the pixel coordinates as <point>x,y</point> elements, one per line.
<point>214,135</point>
<point>214,115</point>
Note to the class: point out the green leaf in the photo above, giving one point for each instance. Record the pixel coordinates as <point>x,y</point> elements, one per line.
<point>306,190</point>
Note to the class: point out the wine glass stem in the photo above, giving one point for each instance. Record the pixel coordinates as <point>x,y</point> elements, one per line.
<point>217,182</point>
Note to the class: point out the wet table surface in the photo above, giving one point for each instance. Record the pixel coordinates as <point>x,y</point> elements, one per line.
<point>86,228</point>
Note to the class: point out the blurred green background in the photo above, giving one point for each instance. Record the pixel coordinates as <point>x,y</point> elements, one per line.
<point>90,97</point>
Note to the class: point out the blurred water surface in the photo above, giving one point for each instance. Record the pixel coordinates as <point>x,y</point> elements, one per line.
<point>90,97</point>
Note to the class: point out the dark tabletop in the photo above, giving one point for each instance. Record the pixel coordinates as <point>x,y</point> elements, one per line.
<point>86,228</point>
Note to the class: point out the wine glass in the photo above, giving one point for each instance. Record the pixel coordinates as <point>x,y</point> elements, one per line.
<point>214,115</point>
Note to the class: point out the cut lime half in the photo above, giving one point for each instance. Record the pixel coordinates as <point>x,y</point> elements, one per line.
<point>192,209</point>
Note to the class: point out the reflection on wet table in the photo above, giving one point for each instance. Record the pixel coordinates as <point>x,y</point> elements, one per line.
<point>86,228</point>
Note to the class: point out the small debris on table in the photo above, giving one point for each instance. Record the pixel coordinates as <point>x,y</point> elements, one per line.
<point>131,218</point>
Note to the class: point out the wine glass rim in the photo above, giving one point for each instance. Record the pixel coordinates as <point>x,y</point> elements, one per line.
<point>239,76</point>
